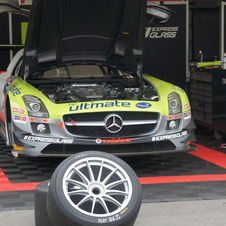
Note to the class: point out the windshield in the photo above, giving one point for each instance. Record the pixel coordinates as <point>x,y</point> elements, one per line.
<point>84,71</point>
<point>75,71</point>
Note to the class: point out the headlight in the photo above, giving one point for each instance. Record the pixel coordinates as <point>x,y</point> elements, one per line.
<point>174,102</point>
<point>35,106</point>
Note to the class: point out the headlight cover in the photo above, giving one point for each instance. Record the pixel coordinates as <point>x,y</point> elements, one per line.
<point>174,102</point>
<point>35,106</point>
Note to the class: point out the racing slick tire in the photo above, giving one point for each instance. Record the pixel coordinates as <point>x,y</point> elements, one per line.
<point>92,188</point>
<point>40,211</point>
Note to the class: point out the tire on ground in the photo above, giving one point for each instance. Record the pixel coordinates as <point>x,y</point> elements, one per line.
<point>92,188</point>
<point>40,211</point>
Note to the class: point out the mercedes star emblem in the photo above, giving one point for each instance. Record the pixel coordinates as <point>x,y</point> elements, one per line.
<point>113,123</point>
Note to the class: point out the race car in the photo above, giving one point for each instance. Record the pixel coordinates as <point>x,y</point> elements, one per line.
<point>78,85</point>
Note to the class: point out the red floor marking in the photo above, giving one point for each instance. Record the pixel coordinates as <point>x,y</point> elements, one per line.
<point>210,155</point>
<point>6,185</point>
<point>180,179</point>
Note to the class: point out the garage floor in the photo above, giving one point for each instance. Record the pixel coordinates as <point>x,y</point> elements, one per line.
<point>199,175</point>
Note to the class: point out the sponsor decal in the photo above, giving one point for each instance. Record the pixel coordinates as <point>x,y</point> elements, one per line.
<point>161,32</point>
<point>187,115</point>
<point>113,141</point>
<point>19,110</point>
<point>15,91</point>
<point>170,136</point>
<point>41,128</point>
<point>172,124</point>
<point>49,140</point>
<point>19,118</point>
<point>143,105</point>
<point>186,106</point>
<point>94,105</point>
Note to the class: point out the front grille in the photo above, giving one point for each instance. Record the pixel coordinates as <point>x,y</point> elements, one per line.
<point>97,131</point>
<point>99,116</point>
<point>128,130</point>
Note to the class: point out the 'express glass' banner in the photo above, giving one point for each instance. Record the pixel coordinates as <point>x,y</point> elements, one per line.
<point>165,53</point>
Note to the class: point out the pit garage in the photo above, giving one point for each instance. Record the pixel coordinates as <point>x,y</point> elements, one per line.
<point>176,51</point>
<point>190,176</point>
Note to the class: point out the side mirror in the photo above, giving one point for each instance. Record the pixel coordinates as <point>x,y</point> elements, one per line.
<point>159,13</point>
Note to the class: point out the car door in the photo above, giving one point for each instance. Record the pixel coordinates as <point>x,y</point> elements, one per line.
<point>9,6</point>
<point>6,79</point>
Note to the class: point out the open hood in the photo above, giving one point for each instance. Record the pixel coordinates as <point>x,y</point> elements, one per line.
<point>103,32</point>
<point>63,32</point>
<point>9,6</point>
<point>12,6</point>
<point>159,13</point>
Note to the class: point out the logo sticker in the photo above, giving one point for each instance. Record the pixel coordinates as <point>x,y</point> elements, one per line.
<point>94,105</point>
<point>143,105</point>
<point>18,118</point>
<point>187,115</point>
<point>113,141</point>
<point>186,106</point>
<point>19,110</point>
<point>161,32</point>
<point>170,136</point>
<point>49,140</point>
<point>15,91</point>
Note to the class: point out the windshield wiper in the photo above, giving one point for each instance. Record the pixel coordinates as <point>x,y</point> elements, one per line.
<point>48,79</point>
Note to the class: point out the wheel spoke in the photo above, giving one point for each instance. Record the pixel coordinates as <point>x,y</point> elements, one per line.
<point>104,205</point>
<point>109,176</point>
<point>82,176</point>
<point>90,171</point>
<point>116,192</point>
<point>93,204</point>
<point>112,200</point>
<point>78,192</point>
<point>78,184</point>
<point>100,171</point>
<point>115,183</point>
<point>85,199</point>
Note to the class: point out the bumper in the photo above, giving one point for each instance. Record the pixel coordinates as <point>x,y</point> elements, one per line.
<point>29,145</point>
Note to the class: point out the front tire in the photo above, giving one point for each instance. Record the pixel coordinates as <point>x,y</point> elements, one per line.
<point>93,188</point>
